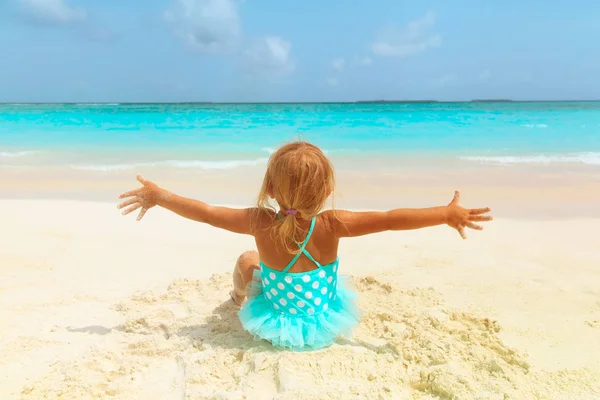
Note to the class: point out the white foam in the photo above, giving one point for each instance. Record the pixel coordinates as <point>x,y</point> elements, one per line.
<point>13,154</point>
<point>572,158</point>
<point>535,126</point>
<point>334,151</point>
<point>271,150</point>
<point>107,167</point>
<point>96,104</point>
<point>225,164</point>
<point>191,164</point>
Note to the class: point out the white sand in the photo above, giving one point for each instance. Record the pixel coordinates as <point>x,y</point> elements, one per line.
<point>95,305</point>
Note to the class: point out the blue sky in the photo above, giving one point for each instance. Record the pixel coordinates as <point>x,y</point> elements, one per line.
<point>251,50</point>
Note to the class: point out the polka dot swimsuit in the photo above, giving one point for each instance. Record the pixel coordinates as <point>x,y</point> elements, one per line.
<point>303,293</point>
<point>299,311</point>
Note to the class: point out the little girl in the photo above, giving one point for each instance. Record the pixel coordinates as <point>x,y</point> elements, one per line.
<point>289,291</point>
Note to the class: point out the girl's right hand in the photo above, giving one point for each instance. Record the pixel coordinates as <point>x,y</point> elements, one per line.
<point>145,198</point>
<point>460,218</point>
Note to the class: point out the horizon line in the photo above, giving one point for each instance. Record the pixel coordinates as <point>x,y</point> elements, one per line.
<point>305,102</point>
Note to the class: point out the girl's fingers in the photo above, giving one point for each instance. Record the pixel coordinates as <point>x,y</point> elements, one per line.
<point>141,214</point>
<point>461,230</point>
<point>456,198</point>
<point>130,193</point>
<point>141,179</point>
<point>128,202</point>
<point>480,218</point>
<point>479,211</point>
<point>131,209</point>
<point>474,226</point>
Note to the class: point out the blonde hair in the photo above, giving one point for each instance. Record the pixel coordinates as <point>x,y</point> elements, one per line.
<point>300,177</point>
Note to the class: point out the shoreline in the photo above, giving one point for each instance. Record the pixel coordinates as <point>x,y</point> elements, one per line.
<point>517,193</point>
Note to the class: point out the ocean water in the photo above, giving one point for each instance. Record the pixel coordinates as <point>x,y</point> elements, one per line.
<point>110,137</point>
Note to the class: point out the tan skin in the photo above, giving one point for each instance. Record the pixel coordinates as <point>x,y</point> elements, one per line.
<point>323,245</point>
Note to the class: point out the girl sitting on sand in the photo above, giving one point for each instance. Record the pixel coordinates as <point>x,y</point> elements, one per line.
<point>289,291</point>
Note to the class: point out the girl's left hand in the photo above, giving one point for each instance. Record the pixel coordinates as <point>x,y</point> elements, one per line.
<point>145,198</point>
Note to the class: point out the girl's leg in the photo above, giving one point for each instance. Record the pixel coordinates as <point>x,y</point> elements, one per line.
<point>246,263</point>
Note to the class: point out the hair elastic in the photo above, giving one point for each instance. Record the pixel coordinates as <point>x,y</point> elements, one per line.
<point>291,211</point>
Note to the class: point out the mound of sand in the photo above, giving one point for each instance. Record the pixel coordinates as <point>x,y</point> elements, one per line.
<point>187,343</point>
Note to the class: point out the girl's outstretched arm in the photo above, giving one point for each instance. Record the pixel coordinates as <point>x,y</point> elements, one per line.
<point>348,223</point>
<point>150,195</point>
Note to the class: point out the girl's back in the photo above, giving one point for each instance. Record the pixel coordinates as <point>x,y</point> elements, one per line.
<point>323,244</point>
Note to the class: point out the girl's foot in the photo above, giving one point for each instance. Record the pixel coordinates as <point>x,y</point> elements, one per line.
<point>246,263</point>
<point>237,299</point>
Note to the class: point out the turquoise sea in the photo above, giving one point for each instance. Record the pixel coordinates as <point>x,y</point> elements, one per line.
<point>106,137</point>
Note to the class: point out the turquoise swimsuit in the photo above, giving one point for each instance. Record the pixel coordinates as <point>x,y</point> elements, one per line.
<point>299,311</point>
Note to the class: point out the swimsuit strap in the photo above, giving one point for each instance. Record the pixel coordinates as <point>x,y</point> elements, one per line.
<point>307,254</point>
<point>303,247</point>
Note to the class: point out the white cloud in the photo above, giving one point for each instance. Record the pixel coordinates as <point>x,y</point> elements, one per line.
<point>485,75</point>
<point>52,11</point>
<point>366,61</point>
<point>339,64</point>
<point>416,37</point>
<point>205,25</point>
<point>214,26</point>
<point>270,57</point>
<point>361,62</point>
<point>332,81</point>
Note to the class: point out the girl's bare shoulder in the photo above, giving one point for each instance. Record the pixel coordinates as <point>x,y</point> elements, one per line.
<point>328,220</point>
<point>262,218</point>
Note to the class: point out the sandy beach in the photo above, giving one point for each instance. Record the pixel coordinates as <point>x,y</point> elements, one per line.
<point>409,101</point>
<point>95,305</point>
